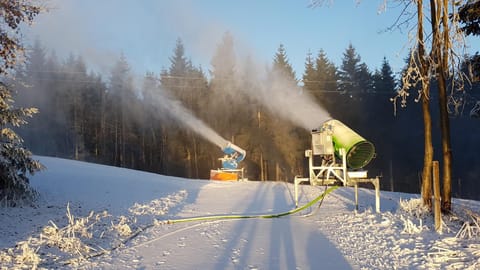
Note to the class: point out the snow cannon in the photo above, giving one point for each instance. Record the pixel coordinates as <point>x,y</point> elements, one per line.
<point>358,151</point>
<point>233,155</point>
<point>338,156</point>
<point>229,172</point>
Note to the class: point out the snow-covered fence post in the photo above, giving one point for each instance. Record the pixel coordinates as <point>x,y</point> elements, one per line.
<point>436,195</point>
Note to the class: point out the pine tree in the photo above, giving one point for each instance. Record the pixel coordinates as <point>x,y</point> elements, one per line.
<point>224,92</point>
<point>349,71</point>
<point>255,121</point>
<point>365,80</point>
<point>33,92</point>
<point>326,72</point>
<point>474,67</point>
<point>383,79</point>
<point>42,86</point>
<point>309,79</point>
<point>15,161</point>
<point>224,61</point>
<point>325,80</point>
<point>93,115</point>
<point>121,99</point>
<point>185,85</point>
<point>75,85</point>
<point>284,155</point>
<point>469,16</point>
<point>154,150</point>
<point>281,66</point>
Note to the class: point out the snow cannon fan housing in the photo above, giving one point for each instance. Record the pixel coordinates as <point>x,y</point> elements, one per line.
<point>333,135</point>
<point>233,155</point>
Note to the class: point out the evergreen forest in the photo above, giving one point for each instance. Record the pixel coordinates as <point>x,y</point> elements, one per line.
<point>115,118</point>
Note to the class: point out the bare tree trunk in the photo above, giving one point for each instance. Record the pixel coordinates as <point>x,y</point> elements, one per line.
<point>189,163</point>
<point>391,177</point>
<point>428,155</point>
<point>103,125</point>
<point>259,117</point>
<point>277,172</point>
<point>265,167</point>
<point>441,60</point>
<point>164,151</point>
<point>132,160</point>
<point>123,157</point>
<point>97,135</point>
<point>115,160</point>
<point>195,157</point>
<point>436,193</point>
<point>152,150</point>
<point>262,170</point>
<point>76,128</point>
<point>445,121</point>
<point>427,118</point>
<point>143,154</point>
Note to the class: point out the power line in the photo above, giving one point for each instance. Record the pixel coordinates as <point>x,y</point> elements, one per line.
<point>202,79</point>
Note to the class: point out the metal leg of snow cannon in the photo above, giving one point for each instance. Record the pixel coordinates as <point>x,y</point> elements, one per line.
<point>356,196</point>
<point>297,182</point>
<point>375,182</point>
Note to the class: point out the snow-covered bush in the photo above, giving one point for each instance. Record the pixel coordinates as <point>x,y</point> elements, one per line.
<point>412,213</point>
<point>470,227</point>
<point>414,207</point>
<point>122,227</point>
<point>70,238</point>
<point>23,256</point>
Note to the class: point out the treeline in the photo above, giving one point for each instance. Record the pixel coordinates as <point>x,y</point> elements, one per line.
<point>112,119</point>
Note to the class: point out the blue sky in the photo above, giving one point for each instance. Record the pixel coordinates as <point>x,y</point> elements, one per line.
<point>146,30</point>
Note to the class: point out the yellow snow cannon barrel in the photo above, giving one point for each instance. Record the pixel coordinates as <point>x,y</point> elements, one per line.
<point>359,152</point>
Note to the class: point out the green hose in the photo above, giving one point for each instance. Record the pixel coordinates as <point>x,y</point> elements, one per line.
<point>204,218</point>
<point>217,217</point>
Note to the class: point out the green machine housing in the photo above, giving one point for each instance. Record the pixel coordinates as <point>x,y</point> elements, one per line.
<point>333,135</point>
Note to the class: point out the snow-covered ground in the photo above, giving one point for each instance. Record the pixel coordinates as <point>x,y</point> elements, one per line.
<point>98,217</point>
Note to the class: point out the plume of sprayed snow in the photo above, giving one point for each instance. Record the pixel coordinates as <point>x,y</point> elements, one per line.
<point>174,108</point>
<point>279,94</point>
<point>288,101</point>
<point>282,97</point>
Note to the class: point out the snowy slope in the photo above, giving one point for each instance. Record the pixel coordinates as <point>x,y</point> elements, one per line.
<point>98,217</point>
